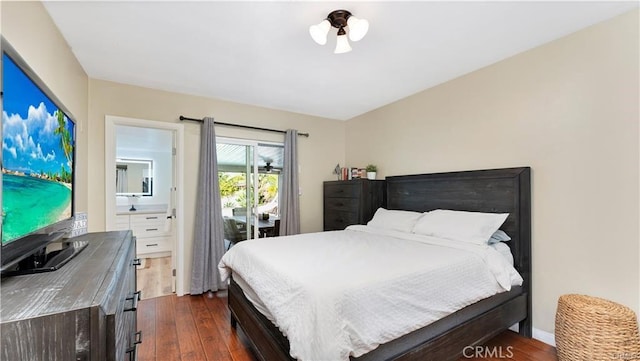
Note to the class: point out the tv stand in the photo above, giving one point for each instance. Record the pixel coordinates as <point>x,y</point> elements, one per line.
<point>46,258</point>
<point>12,252</point>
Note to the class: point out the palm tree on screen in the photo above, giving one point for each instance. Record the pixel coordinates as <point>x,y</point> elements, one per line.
<point>65,136</point>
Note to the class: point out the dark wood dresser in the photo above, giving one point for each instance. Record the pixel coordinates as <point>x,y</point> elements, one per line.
<point>351,202</point>
<point>86,310</point>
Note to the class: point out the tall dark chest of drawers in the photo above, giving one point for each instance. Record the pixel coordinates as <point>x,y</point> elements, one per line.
<point>351,202</point>
<point>85,311</point>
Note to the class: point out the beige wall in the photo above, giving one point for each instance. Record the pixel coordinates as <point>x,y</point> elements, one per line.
<point>49,55</point>
<point>568,109</point>
<point>318,154</point>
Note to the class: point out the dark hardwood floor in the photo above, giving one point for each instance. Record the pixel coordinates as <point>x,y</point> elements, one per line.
<point>194,328</point>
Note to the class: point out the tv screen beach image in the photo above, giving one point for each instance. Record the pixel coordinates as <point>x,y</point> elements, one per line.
<point>37,156</point>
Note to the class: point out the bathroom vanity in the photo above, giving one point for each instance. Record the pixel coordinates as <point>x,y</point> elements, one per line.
<point>151,225</point>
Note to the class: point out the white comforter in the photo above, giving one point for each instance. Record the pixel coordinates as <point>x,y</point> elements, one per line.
<point>342,293</point>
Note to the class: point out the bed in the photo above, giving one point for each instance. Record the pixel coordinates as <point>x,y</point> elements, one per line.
<point>491,191</point>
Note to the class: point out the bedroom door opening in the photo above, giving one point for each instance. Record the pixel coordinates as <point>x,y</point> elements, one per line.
<point>154,206</point>
<point>249,178</point>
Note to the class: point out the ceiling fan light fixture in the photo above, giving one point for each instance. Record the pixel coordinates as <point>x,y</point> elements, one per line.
<point>342,43</point>
<point>319,31</point>
<point>340,19</point>
<point>357,28</point>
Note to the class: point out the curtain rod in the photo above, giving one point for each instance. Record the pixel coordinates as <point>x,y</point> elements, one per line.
<point>244,126</point>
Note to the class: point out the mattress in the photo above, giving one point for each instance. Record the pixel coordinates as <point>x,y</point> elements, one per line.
<point>343,293</point>
<point>251,295</point>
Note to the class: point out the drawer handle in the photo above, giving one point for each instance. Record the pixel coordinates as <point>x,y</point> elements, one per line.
<point>134,298</point>
<point>137,262</point>
<point>152,217</point>
<point>152,245</point>
<point>151,229</point>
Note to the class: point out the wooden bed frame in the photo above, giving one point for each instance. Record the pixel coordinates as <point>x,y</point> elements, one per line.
<point>496,191</point>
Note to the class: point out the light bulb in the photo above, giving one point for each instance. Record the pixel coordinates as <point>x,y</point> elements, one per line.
<point>319,32</point>
<point>357,28</point>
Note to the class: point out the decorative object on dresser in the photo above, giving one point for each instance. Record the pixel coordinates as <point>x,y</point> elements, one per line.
<point>151,227</point>
<point>79,224</point>
<point>83,311</point>
<point>353,202</point>
<point>355,173</point>
<point>371,169</point>
<point>338,171</point>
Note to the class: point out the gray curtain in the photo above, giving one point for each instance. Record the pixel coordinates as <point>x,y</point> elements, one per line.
<point>289,193</point>
<point>208,245</point>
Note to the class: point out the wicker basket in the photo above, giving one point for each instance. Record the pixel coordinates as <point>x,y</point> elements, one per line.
<point>594,329</point>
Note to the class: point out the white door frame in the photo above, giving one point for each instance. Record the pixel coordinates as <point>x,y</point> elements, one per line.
<point>110,123</point>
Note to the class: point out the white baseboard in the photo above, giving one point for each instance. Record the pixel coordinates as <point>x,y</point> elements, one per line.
<point>546,337</point>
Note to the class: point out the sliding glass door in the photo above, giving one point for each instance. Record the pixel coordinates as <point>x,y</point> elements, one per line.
<point>249,177</point>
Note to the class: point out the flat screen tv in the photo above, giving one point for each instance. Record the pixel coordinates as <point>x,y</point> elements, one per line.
<point>38,153</point>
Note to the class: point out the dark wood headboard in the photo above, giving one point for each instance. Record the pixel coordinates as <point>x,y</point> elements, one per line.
<point>494,191</point>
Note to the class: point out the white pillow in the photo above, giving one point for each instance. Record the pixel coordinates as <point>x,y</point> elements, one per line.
<point>472,227</point>
<point>504,250</point>
<point>402,221</point>
<point>499,236</point>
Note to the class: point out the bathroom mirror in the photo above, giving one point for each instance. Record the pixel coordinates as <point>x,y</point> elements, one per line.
<point>134,177</point>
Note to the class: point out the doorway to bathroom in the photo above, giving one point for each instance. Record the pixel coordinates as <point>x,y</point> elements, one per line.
<point>143,169</point>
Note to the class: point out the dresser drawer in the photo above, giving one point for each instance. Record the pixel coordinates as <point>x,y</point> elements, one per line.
<point>151,230</point>
<point>351,202</point>
<point>338,220</point>
<point>153,245</point>
<point>150,225</point>
<point>342,204</point>
<point>121,320</point>
<point>148,219</point>
<point>343,189</point>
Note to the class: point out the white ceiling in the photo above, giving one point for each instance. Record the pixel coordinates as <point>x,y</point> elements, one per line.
<point>261,53</point>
